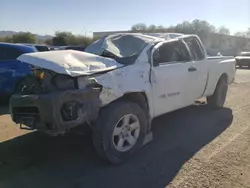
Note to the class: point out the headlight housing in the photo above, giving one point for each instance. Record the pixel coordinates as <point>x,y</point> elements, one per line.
<point>63,82</point>
<point>84,82</point>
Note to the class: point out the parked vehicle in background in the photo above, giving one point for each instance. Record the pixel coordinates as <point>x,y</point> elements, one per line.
<point>243,59</point>
<point>11,69</point>
<point>41,48</point>
<point>51,48</point>
<point>38,47</point>
<point>118,85</point>
<point>78,48</point>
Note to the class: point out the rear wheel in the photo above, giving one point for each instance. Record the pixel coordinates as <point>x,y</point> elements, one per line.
<point>219,97</point>
<point>120,131</point>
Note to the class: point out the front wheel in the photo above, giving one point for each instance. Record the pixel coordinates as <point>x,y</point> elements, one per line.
<point>219,97</point>
<point>120,131</point>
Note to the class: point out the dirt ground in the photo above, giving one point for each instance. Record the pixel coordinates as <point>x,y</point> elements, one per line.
<point>192,147</point>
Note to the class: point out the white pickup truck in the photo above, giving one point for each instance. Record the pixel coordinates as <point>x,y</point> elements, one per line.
<point>118,85</point>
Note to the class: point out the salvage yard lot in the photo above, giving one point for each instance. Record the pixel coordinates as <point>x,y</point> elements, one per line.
<point>192,147</point>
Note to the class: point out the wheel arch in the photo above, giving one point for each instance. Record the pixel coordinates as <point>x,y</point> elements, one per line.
<point>141,99</point>
<point>137,97</point>
<point>222,76</point>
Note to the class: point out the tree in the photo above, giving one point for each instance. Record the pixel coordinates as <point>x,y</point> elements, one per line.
<point>139,27</point>
<point>63,38</point>
<point>63,34</point>
<point>7,39</point>
<point>184,27</point>
<point>59,41</point>
<point>248,32</point>
<point>160,28</point>
<point>243,34</point>
<point>83,41</point>
<point>48,41</point>
<point>152,28</point>
<point>223,30</point>
<point>240,34</point>
<point>26,37</point>
<point>199,27</point>
<point>67,38</point>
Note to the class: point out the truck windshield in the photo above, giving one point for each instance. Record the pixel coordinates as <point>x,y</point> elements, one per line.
<point>124,48</point>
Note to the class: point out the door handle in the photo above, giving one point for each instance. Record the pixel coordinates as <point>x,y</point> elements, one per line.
<point>192,69</point>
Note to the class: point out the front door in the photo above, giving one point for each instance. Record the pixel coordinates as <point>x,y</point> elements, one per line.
<point>170,76</point>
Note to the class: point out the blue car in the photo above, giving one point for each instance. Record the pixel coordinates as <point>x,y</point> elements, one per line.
<point>11,70</point>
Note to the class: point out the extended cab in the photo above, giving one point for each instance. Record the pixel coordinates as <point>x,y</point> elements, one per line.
<point>118,85</point>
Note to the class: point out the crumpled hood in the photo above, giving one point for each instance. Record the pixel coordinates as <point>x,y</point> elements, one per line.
<point>70,62</point>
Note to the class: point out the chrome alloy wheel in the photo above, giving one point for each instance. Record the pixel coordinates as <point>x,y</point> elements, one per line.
<point>126,133</point>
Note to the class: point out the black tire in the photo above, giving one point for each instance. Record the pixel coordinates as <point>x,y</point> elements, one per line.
<point>103,130</point>
<point>219,97</point>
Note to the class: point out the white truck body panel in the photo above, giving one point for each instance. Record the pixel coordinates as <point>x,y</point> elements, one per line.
<point>169,86</point>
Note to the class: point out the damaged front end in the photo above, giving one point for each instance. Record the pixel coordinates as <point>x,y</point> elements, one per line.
<point>53,103</point>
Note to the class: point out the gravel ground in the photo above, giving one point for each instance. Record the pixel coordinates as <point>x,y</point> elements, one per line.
<point>192,147</point>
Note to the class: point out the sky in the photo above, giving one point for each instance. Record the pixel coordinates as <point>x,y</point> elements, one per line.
<point>87,16</point>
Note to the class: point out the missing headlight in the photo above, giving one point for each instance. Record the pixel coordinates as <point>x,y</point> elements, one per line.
<point>62,82</point>
<point>69,111</point>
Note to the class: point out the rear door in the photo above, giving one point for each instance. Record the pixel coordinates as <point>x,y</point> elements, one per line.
<point>200,72</point>
<point>9,68</point>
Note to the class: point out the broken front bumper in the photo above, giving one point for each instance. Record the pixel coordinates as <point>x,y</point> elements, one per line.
<point>57,112</point>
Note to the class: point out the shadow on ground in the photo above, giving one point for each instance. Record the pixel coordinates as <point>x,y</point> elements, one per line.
<point>36,160</point>
<point>4,109</point>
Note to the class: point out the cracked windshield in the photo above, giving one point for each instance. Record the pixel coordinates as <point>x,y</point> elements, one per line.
<point>139,94</point>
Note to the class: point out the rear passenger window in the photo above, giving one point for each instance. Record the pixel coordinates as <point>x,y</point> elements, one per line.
<point>172,52</point>
<point>8,53</point>
<point>195,48</point>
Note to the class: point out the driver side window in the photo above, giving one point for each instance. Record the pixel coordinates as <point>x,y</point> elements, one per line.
<point>171,52</point>
<point>195,49</point>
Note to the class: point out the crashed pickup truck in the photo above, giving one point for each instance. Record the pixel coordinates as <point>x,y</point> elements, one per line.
<point>117,86</point>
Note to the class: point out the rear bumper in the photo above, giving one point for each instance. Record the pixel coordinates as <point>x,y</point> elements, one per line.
<point>55,113</point>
